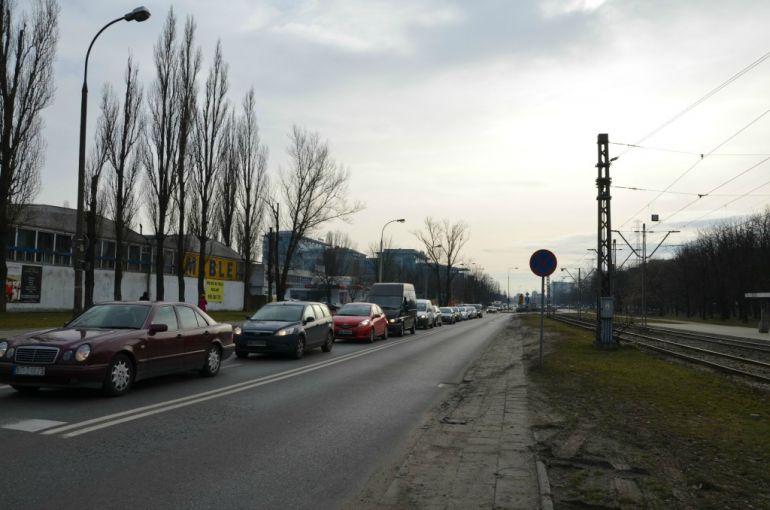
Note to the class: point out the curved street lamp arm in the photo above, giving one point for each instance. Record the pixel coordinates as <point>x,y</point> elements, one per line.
<point>88,53</point>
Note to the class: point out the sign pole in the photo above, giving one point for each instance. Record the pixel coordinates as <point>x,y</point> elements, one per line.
<point>543,264</point>
<point>542,315</point>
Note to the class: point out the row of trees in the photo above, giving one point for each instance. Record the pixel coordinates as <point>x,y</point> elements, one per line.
<point>708,277</point>
<point>192,160</point>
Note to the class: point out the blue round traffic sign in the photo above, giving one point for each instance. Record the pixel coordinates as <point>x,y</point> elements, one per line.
<point>542,262</point>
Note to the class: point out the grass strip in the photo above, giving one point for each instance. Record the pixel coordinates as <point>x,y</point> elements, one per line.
<point>718,429</point>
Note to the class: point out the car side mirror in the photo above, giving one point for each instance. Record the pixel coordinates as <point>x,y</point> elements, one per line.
<point>158,328</point>
<point>309,319</point>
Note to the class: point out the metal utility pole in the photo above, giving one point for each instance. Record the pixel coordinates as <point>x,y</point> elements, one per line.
<point>269,269</point>
<point>604,265</point>
<point>644,257</point>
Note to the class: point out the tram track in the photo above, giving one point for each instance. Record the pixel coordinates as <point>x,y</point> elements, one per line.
<point>731,355</point>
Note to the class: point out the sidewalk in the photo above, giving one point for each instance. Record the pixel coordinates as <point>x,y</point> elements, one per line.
<point>714,329</point>
<point>476,449</point>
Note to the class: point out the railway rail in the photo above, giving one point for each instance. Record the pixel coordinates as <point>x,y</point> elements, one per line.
<point>742,357</point>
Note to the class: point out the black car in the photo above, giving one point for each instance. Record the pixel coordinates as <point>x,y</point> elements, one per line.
<point>288,327</point>
<point>398,301</point>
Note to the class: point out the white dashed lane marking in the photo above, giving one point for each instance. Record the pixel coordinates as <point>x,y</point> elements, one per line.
<point>32,425</point>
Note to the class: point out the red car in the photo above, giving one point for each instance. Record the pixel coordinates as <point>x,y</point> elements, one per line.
<point>360,321</point>
<point>112,345</point>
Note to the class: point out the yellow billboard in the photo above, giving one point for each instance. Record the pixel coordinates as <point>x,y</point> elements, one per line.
<point>215,291</point>
<point>216,268</point>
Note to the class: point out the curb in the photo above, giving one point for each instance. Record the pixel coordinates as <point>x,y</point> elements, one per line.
<point>546,503</point>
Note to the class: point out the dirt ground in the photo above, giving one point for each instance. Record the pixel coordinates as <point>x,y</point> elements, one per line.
<point>602,456</point>
<point>600,453</point>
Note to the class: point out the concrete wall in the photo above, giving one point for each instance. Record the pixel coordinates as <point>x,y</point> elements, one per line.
<point>58,282</point>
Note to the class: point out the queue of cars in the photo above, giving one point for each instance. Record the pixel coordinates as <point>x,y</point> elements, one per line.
<point>113,345</point>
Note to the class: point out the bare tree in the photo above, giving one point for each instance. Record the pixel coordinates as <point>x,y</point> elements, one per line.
<point>125,163</point>
<point>187,85</point>
<point>210,142</point>
<point>228,182</point>
<point>443,242</point>
<point>335,260</point>
<point>95,194</point>
<point>314,190</point>
<point>162,143</point>
<point>251,185</point>
<point>27,51</point>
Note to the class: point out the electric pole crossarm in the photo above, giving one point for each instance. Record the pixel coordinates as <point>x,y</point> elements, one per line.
<point>627,243</point>
<point>662,241</point>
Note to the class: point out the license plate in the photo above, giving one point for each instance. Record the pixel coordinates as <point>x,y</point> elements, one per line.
<point>37,371</point>
<point>256,343</point>
<point>344,332</point>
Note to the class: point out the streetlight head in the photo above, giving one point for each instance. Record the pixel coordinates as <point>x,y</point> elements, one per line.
<point>401,220</point>
<point>139,14</point>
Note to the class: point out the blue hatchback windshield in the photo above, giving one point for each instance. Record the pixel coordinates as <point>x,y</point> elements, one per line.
<point>281,313</point>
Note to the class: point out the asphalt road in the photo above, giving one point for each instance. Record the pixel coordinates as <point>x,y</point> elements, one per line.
<point>266,432</point>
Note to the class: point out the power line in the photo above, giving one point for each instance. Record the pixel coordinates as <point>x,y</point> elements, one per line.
<point>731,179</point>
<point>728,203</point>
<point>689,153</point>
<point>708,95</point>
<point>635,188</point>
<point>700,159</point>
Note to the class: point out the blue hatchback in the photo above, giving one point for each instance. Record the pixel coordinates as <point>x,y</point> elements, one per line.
<point>288,327</point>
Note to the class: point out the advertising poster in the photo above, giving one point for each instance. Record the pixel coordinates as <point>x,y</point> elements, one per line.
<point>215,291</point>
<point>31,283</point>
<point>13,284</point>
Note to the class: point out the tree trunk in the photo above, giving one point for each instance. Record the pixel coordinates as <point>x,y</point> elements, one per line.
<point>202,266</point>
<point>160,287</point>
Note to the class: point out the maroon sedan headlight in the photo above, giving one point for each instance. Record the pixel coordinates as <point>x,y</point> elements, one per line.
<point>363,323</point>
<point>82,352</point>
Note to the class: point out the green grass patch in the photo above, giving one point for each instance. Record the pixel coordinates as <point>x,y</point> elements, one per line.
<point>718,429</point>
<point>24,320</point>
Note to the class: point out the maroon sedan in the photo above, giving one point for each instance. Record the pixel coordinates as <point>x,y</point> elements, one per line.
<point>112,345</point>
<point>360,321</point>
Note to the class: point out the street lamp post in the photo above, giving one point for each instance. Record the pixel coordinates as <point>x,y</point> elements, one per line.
<point>508,291</point>
<point>139,14</point>
<point>382,234</point>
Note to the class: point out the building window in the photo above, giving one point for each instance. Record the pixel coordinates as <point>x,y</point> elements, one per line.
<point>107,257</point>
<point>168,262</point>
<point>45,246</point>
<point>146,258</point>
<point>63,253</point>
<point>25,245</point>
<point>10,253</point>
<point>134,262</point>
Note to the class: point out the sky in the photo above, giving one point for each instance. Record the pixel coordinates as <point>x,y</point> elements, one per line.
<point>485,111</point>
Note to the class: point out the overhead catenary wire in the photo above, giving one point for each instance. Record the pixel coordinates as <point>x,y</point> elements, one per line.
<point>704,98</point>
<point>636,188</point>
<point>731,179</point>
<point>689,153</point>
<point>728,203</point>
<point>699,161</point>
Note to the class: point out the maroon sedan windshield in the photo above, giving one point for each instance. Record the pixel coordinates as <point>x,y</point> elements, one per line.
<point>115,316</point>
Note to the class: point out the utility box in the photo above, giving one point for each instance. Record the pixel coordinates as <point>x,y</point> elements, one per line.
<point>607,310</point>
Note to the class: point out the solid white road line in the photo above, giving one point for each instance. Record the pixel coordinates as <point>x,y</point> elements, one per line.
<point>162,407</point>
